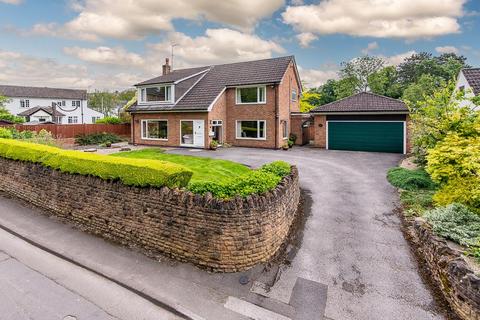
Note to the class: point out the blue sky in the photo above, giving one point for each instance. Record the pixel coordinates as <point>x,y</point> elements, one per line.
<point>108,44</point>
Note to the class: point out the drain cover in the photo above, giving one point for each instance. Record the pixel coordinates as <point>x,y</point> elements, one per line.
<point>243,280</point>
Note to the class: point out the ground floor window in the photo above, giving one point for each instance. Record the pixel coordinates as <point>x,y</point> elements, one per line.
<point>73,119</point>
<point>155,129</point>
<point>285,129</point>
<point>251,129</point>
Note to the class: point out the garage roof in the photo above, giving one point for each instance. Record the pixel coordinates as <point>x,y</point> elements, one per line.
<point>363,102</point>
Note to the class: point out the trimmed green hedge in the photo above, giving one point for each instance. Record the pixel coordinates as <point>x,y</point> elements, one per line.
<point>256,181</point>
<point>135,172</point>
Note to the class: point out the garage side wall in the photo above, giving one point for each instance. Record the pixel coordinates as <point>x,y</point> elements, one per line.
<point>320,130</point>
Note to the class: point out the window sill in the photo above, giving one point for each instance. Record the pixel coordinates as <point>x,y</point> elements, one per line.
<point>242,138</point>
<point>155,102</point>
<point>154,139</point>
<point>249,103</point>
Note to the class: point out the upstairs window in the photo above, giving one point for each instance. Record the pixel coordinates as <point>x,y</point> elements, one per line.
<point>24,103</point>
<point>294,95</point>
<point>156,94</point>
<point>75,103</point>
<point>251,95</point>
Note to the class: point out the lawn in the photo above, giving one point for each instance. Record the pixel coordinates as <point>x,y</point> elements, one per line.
<point>204,169</point>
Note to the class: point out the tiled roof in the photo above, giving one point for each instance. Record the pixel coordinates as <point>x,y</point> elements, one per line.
<point>363,102</point>
<point>211,84</point>
<point>473,77</point>
<point>42,92</point>
<point>173,76</point>
<point>33,110</point>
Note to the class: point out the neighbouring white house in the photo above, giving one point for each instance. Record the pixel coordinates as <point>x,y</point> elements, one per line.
<point>469,82</point>
<point>38,104</point>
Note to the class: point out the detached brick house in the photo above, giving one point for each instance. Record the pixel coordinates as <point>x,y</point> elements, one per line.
<point>243,104</point>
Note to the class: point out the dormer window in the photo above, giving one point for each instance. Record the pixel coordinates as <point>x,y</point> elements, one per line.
<point>161,93</point>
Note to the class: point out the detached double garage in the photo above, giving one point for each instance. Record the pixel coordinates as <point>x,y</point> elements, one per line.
<point>363,122</point>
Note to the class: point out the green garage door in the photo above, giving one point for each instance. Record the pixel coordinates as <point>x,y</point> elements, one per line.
<point>366,136</point>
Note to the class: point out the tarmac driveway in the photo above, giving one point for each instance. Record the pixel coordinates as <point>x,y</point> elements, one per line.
<point>352,243</point>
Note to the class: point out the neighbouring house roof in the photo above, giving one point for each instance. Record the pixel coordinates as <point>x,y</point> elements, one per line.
<point>215,79</point>
<point>363,102</point>
<point>32,111</point>
<point>42,92</point>
<point>473,78</point>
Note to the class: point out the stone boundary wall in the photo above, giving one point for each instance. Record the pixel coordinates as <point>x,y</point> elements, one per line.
<point>448,269</point>
<point>219,235</point>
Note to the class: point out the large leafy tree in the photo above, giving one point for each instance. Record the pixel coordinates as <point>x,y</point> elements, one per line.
<point>445,66</point>
<point>358,70</point>
<point>385,82</point>
<point>310,99</point>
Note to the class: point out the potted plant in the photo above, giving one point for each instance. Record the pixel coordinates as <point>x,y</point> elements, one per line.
<point>213,145</point>
<point>290,143</point>
<point>285,146</point>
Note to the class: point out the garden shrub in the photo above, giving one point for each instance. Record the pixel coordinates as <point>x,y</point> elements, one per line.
<point>462,190</point>
<point>455,222</point>
<point>97,138</point>
<point>417,201</point>
<point>410,179</point>
<point>278,168</point>
<point>256,181</point>
<point>455,164</point>
<point>109,120</point>
<point>136,172</point>
<point>5,133</point>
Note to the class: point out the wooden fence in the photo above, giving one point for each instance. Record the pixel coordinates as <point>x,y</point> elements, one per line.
<point>64,131</point>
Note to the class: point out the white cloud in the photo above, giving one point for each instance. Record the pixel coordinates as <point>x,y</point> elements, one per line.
<point>215,47</point>
<point>447,49</point>
<point>370,47</point>
<point>106,55</point>
<point>305,38</point>
<point>22,69</point>
<point>135,19</point>
<point>316,77</point>
<point>11,1</point>
<point>410,19</point>
<point>395,60</point>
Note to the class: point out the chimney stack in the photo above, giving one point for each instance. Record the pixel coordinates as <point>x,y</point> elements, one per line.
<point>166,67</point>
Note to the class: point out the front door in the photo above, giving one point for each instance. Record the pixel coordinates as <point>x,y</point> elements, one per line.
<point>192,133</point>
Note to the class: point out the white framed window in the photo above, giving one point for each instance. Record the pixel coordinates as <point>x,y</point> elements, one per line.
<point>61,103</point>
<point>72,119</point>
<point>251,95</point>
<point>155,129</point>
<point>158,94</point>
<point>294,95</point>
<point>251,129</point>
<point>75,103</point>
<point>285,129</point>
<point>217,122</point>
<point>24,103</point>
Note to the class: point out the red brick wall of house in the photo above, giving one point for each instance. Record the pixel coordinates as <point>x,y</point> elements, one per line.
<point>218,112</point>
<point>251,112</point>
<point>287,106</point>
<point>320,126</point>
<point>173,126</point>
